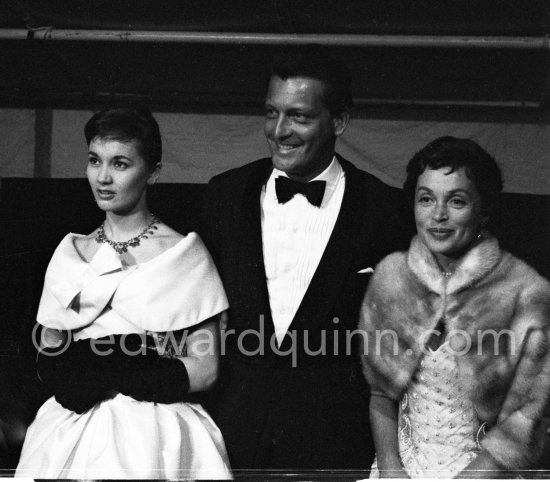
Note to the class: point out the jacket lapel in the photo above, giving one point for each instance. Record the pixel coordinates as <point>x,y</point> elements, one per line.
<point>250,261</point>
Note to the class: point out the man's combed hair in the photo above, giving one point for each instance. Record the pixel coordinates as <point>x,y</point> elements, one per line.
<point>125,124</point>
<point>317,62</point>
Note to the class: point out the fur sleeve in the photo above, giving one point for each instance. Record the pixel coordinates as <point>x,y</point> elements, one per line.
<point>383,316</point>
<point>516,441</point>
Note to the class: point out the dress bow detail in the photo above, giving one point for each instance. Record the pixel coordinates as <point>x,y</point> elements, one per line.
<point>89,293</point>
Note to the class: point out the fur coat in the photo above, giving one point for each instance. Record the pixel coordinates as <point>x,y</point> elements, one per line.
<point>496,314</point>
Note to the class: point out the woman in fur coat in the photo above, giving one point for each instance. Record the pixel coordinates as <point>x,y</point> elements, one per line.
<point>457,332</point>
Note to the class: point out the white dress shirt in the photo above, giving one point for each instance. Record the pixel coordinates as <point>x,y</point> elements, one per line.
<point>294,237</point>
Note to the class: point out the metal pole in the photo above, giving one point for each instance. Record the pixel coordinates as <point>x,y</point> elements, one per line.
<point>214,99</point>
<point>497,104</point>
<point>344,40</point>
<point>545,96</point>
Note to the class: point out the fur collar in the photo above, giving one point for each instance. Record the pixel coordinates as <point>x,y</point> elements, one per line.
<point>472,267</point>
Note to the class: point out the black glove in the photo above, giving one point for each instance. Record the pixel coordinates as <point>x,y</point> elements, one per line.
<point>80,391</point>
<point>155,379</point>
<point>81,377</point>
<point>78,376</point>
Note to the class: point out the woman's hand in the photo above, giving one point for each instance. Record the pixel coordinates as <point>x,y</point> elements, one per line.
<point>389,465</point>
<point>484,466</point>
<point>383,417</point>
<point>76,373</point>
<point>397,473</point>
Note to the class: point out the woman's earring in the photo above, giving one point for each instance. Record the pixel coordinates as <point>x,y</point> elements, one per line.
<point>484,221</point>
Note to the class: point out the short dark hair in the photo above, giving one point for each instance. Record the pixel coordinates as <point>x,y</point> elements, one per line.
<point>456,153</point>
<point>125,124</point>
<point>316,62</point>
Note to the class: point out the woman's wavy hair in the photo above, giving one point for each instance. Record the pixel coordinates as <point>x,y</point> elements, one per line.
<point>456,153</point>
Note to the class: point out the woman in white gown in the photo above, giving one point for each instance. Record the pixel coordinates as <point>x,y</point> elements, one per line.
<point>130,326</point>
<point>458,332</point>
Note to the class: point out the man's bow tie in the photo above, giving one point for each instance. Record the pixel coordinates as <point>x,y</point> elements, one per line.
<point>286,188</point>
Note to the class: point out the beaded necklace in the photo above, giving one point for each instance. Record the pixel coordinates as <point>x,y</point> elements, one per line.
<point>122,246</point>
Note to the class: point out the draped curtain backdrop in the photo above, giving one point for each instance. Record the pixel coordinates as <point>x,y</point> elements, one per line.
<point>199,146</point>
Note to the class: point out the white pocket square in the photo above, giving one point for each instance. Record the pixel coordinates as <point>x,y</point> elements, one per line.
<point>365,270</point>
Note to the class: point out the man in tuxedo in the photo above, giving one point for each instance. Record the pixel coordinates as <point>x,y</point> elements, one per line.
<point>295,237</point>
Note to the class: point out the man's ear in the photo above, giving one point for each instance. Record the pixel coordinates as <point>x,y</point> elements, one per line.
<point>153,177</point>
<point>340,122</point>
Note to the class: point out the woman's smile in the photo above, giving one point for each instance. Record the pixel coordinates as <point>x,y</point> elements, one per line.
<point>440,234</point>
<point>447,212</point>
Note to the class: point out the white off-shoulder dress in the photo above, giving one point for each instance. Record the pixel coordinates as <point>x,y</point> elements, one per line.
<point>122,437</point>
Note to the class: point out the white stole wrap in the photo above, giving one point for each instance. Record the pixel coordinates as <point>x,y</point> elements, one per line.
<point>177,289</point>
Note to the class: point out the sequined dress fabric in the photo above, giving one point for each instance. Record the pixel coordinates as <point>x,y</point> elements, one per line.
<point>438,429</point>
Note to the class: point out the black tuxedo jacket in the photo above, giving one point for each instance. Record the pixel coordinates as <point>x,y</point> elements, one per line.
<point>303,405</point>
